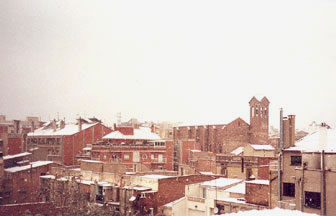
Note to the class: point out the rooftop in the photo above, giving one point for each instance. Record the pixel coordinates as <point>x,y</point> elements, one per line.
<point>69,129</point>
<point>143,133</point>
<point>323,139</point>
<point>16,155</point>
<point>27,167</point>
<point>157,176</point>
<point>239,188</point>
<point>238,151</point>
<point>221,182</point>
<point>259,181</point>
<point>262,147</point>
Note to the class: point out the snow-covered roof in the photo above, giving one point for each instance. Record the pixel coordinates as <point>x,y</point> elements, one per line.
<point>48,177</point>
<point>16,155</point>
<point>221,182</point>
<point>259,181</point>
<point>69,129</point>
<point>157,176</point>
<point>207,173</point>
<point>174,202</point>
<point>238,151</point>
<point>316,142</point>
<point>87,148</point>
<point>27,167</point>
<point>262,147</point>
<point>239,188</point>
<point>138,188</point>
<point>143,133</point>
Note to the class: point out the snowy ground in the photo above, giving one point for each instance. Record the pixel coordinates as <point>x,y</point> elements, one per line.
<point>269,212</point>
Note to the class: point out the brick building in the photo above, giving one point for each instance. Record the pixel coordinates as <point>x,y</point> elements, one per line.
<point>224,138</point>
<point>140,149</point>
<point>20,179</point>
<point>61,142</point>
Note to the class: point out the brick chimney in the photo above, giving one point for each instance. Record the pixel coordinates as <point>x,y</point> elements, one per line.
<point>79,124</point>
<point>153,128</point>
<point>289,131</point>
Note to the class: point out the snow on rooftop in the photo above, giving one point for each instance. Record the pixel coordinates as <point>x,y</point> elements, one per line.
<point>195,150</point>
<point>207,173</point>
<point>86,182</point>
<point>315,142</point>
<point>239,188</point>
<point>69,129</point>
<point>143,133</point>
<point>259,181</point>
<point>268,212</point>
<point>92,161</point>
<point>27,167</point>
<point>262,147</point>
<point>48,177</point>
<point>221,182</point>
<point>157,176</point>
<point>238,151</point>
<point>16,155</point>
<point>174,202</point>
<point>87,149</point>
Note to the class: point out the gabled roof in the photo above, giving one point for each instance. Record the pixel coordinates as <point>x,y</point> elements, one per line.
<point>69,129</point>
<point>260,98</point>
<point>142,133</point>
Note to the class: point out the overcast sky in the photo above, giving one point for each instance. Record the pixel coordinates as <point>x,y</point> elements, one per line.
<point>194,61</point>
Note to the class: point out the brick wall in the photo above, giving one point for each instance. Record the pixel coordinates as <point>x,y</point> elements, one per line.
<point>171,189</point>
<point>257,194</point>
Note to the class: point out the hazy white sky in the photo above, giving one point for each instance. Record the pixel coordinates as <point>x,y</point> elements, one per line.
<point>168,60</point>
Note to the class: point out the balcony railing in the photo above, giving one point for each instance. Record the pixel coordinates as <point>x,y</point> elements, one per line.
<point>130,146</point>
<point>157,160</point>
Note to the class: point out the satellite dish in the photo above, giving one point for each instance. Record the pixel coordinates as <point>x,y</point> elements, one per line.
<point>216,210</point>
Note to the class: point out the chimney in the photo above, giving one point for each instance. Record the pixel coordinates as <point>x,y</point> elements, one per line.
<point>323,136</point>
<point>32,126</point>
<point>115,126</point>
<point>289,131</point>
<point>54,125</point>
<point>153,128</point>
<point>62,124</point>
<point>291,119</point>
<point>79,124</point>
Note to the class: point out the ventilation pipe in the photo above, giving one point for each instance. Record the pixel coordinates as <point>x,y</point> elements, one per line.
<point>279,156</point>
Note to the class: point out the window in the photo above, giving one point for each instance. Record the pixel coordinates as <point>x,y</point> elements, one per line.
<point>126,156</point>
<point>152,156</point>
<point>296,160</point>
<point>104,157</point>
<point>312,200</point>
<point>289,189</point>
<point>204,193</point>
